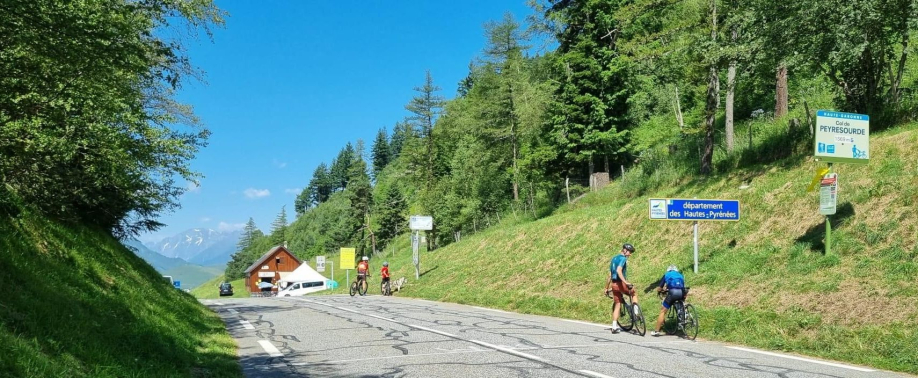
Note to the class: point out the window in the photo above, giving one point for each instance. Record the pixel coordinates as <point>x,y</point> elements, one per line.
<point>295,286</point>
<point>312,284</point>
<point>278,260</point>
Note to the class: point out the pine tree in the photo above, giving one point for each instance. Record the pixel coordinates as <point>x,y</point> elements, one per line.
<point>360,194</point>
<point>381,154</point>
<point>338,173</point>
<point>400,136</point>
<point>392,217</point>
<point>248,235</point>
<point>279,227</point>
<point>426,106</point>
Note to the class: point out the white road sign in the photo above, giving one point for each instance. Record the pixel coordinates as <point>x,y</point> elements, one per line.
<point>828,194</point>
<point>420,223</point>
<point>320,264</point>
<point>842,137</point>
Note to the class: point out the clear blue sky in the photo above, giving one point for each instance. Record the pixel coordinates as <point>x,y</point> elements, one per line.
<point>288,83</point>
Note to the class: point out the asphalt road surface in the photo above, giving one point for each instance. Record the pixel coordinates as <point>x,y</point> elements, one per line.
<point>375,336</point>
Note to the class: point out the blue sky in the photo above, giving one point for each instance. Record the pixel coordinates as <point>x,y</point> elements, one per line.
<point>288,83</point>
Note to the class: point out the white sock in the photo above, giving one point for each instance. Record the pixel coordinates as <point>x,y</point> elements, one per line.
<point>615,324</point>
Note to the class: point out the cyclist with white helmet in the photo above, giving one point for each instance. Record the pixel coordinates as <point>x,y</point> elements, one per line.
<point>363,267</point>
<point>618,284</point>
<point>674,282</point>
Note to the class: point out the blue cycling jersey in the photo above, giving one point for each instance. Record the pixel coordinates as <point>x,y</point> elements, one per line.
<point>673,280</point>
<point>619,261</point>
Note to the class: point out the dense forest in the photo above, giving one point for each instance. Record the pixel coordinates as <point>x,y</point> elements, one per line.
<point>650,92</point>
<point>646,91</point>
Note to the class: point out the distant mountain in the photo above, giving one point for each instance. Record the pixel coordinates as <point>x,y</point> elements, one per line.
<point>201,246</point>
<point>159,262</point>
<point>190,275</point>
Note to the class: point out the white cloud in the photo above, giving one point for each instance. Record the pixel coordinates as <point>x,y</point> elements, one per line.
<point>192,188</point>
<point>228,227</point>
<point>256,193</point>
<point>205,219</point>
<point>293,191</point>
<point>279,164</point>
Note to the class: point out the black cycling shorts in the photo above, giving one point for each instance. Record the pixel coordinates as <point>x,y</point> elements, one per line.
<point>673,296</point>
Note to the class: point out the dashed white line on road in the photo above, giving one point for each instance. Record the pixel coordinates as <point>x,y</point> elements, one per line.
<point>231,311</point>
<point>508,350</point>
<point>801,359</point>
<point>594,374</point>
<point>246,324</point>
<point>606,326</point>
<point>270,348</point>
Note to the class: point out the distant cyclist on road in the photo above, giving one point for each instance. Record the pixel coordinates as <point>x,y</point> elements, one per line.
<point>384,272</point>
<point>362,268</point>
<point>618,283</point>
<point>675,283</point>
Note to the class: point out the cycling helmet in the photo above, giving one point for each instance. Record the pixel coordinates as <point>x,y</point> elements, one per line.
<point>672,268</point>
<point>385,263</point>
<point>628,247</point>
<point>365,258</point>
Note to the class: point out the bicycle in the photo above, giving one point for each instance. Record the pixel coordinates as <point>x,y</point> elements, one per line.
<point>630,315</point>
<point>386,288</point>
<point>359,285</point>
<point>684,314</point>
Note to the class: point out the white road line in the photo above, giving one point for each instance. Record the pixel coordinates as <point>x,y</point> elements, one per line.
<point>218,304</point>
<point>391,357</point>
<point>595,374</point>
<point>508,350</point>
<point>491,309</point>
<point>270,348</point>
<point>246,324</point>
<point>231,311</point>
<point>432,330</point>
<point>801,359</point>
<point>587,323</point>
<point>381,318</point>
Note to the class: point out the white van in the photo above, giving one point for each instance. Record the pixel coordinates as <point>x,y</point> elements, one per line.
<point>296,289</point>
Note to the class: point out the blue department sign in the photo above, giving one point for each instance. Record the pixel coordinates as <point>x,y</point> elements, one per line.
<point>694,209</point>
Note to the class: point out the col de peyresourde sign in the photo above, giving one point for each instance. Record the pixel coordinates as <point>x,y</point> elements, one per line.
<point>694,209</point>
<point>842,137</point>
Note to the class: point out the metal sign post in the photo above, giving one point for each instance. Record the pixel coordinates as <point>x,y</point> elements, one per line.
<point>840,138</point>
<point>694,210</point>
<point>418,223</point>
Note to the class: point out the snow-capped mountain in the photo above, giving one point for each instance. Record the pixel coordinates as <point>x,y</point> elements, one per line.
<point>199,245</point>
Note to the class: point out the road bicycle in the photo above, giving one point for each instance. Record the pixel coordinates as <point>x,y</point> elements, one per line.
<point>683,314</point>
<point>359,286</point>
<point>630,316</point>
<point>386,288</point>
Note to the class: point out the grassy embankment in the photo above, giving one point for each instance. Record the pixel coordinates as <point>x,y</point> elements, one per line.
<point>764,281</point>
<point>78,304</point>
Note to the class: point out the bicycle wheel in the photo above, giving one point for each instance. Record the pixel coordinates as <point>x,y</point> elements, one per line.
<point>353,288</point>
<point>639,325</point>
<point>691,322</point>
<point>388,288</point>
<point>624,316</point>
<point>363,287</point>
<point>670,323</point>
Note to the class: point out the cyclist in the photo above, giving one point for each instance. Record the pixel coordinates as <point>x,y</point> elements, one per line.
<point>362,268</point>
<point>618,284</point>
<point>384,272</point>
<point>674,282</point>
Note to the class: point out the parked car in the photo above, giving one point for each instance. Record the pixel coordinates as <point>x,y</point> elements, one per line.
<point>226,289</point>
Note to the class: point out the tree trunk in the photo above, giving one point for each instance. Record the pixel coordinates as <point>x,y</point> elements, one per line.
<point>710,111</point>
<point>781,92</point>
<point>678,109</point>
<point>606,160</point>
<point>731,87</point>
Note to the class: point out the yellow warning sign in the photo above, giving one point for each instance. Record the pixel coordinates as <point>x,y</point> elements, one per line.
<point>347,258</point>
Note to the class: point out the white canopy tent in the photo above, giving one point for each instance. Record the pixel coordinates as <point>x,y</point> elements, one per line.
<point>307,277</point>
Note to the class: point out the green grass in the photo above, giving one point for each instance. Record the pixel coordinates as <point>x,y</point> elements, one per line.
<point>764,281</point>
<point>211,289</point>
<point>78,304</point>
